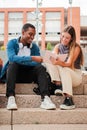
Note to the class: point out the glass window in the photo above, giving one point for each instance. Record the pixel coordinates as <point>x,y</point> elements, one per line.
<point>53,26</point>
<point>1,23</point>
<point>53,15</point>
<point>15,23</point>
<point>15,16</point>
<point>31,18</point>
<point>1,27</point>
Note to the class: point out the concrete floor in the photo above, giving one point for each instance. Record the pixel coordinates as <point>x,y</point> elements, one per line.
<point>46,127</point>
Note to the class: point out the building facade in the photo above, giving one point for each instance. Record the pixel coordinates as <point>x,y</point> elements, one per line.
<point>51,22</point>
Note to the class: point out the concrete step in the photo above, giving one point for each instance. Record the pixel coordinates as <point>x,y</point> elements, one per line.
<point>34,101</point>
<point>41,116</point>
<point>28,89</point>
<point>20,88</point>
<point>45,127</point>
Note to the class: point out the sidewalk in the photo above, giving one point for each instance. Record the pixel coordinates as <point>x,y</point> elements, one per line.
<point>46,127</point>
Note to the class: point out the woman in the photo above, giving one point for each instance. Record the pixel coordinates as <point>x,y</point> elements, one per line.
<point>68,72</point>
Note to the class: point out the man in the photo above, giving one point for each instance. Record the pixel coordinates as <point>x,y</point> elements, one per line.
<point>24,65</point>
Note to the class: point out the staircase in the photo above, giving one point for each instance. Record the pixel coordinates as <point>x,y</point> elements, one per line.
<point>30,117</point>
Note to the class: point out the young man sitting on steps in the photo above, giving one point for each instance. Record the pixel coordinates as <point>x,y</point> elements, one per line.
<point>24,65</point>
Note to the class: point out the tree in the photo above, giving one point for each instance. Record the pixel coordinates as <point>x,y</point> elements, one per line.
<point>49,46</point>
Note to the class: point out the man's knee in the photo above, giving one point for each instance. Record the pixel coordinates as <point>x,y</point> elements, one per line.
<point>41,67</point>
<point>12,68</point>
<point>13,65</point>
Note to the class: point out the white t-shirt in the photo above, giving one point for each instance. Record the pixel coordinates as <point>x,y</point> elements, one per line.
<point>23,50</point>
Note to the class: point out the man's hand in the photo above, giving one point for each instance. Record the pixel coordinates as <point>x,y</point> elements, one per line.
<point>37,58</point>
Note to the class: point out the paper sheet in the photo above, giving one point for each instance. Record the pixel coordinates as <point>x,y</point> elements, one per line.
<point>48,54</point>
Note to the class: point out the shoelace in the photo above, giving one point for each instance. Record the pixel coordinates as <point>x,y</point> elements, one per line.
<point>48,99</point>
<point>12,100</point>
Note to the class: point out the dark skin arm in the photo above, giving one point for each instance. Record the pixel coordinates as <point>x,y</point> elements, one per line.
<point>37,58</point>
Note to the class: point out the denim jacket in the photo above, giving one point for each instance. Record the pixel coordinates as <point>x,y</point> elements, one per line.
<point>12,51</point>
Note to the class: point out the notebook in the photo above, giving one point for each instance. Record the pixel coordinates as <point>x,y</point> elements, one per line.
<point>48,54</point>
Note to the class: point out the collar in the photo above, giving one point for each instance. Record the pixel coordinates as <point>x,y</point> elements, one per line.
<point>21,44</point>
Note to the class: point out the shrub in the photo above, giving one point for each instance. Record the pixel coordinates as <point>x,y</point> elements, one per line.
<point>49,46</point>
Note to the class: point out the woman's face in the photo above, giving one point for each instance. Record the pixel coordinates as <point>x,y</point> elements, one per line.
<point>65,38</point>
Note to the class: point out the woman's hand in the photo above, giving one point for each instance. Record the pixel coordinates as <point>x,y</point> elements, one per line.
<point>37,58</point>
<point>54,61</point>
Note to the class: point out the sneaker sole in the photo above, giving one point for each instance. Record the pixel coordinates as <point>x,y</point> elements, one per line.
<point>51,108</point>
<point>12,108</point>
<point>63,107</point>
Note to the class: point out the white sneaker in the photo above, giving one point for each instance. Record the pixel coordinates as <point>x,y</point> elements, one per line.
<point>58,92</point>
<point>11,103</point>
<point>47,104</point>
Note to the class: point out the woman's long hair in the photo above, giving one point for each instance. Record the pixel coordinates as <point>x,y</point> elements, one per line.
<point>72,44</point>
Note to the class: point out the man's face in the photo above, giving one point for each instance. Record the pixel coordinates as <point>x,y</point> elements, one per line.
<point>28,35</point>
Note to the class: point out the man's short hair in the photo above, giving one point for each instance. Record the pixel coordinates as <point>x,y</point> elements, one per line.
<point>27,25</point>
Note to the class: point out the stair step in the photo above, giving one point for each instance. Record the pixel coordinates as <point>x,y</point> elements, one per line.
<point>20,88</point>
<point>41,116</point>
<point>45,127</point>
<point>28,89</point>
<point>34,101</point>
<point>5,116</point>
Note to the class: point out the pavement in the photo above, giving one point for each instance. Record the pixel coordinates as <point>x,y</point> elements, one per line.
<point>45,127</point>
